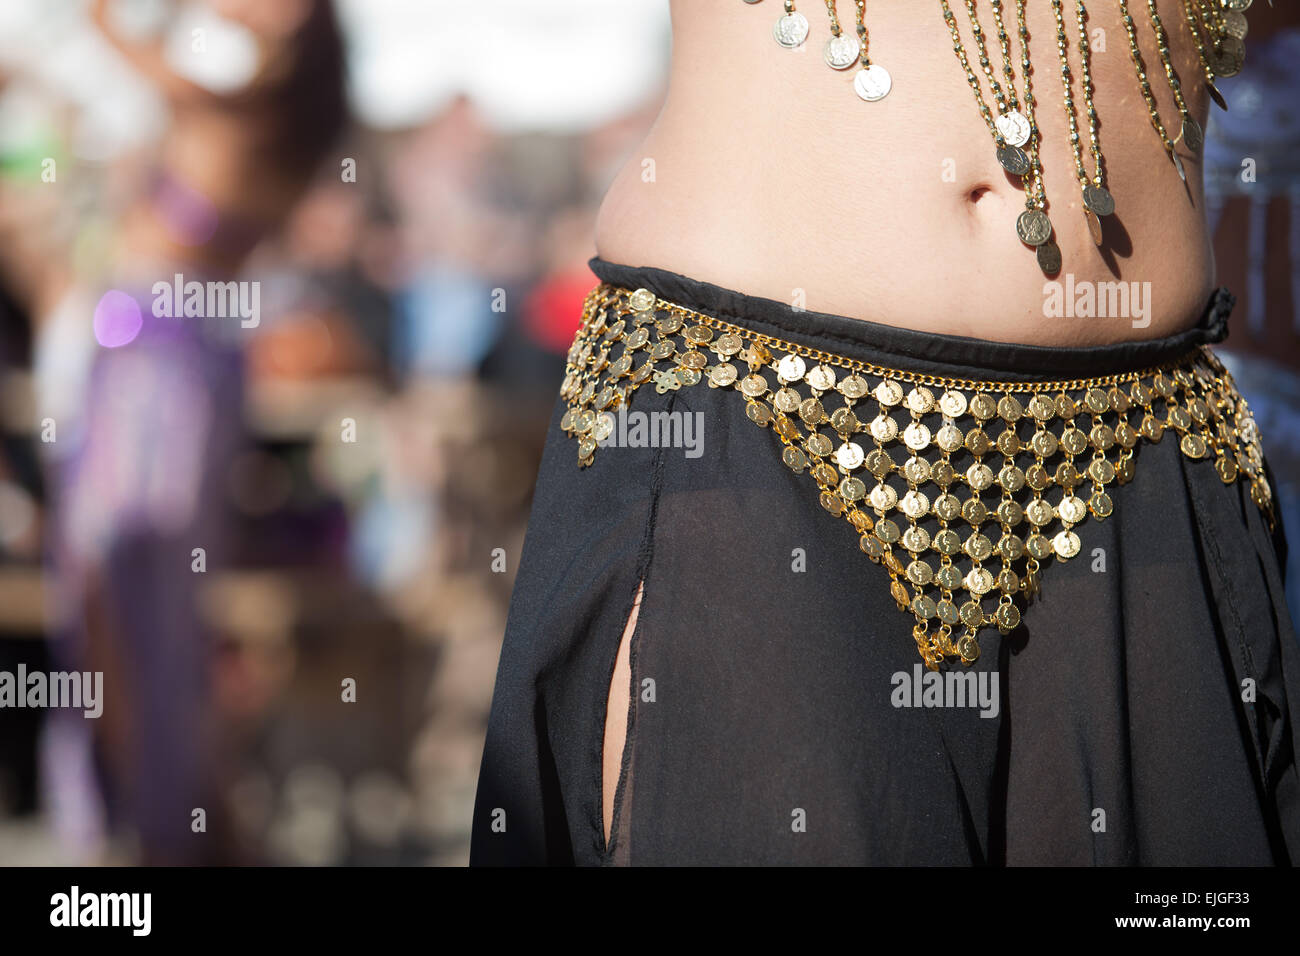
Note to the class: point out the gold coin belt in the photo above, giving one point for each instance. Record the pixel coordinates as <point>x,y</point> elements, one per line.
<point>962,489</point>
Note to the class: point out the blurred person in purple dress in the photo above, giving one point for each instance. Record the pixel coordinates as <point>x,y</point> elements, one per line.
<point>149,416</point>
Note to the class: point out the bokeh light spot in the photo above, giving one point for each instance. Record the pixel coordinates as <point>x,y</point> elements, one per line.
<point>117,319</point>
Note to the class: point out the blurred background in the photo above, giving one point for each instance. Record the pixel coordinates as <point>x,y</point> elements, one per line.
<point>289,544</point>
<point>413,185</point>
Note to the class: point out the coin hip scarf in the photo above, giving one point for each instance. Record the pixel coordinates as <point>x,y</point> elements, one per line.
<point>828,519</point>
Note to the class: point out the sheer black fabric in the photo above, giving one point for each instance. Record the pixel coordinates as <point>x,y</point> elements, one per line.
<point>764,725</point>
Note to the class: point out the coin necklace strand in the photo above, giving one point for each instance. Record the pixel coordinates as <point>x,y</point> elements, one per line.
<point>1152,109</point>
<point>1192,14</point>
<point>842,50</point>
<point>1225,24</point>
<point>873,81</point>
<point>1033,226</point>
<point>1191,133</point>
<point>1097,200</point>
<point>1047,253</point>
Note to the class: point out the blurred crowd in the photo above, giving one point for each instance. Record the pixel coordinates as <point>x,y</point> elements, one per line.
<point>289,543</point>
<point>287,540</point>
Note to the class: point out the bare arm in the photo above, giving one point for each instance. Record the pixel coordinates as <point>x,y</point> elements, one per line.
<point>148,58</point>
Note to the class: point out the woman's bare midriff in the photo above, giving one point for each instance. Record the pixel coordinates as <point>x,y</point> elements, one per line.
<point>764,173</point>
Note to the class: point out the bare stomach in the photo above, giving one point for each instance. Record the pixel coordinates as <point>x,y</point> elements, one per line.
<point>764,173</point>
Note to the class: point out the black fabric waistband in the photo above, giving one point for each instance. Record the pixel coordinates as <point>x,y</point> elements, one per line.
<point>954,356</point>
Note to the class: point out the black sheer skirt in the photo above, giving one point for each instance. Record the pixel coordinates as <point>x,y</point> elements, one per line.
<point>1139,714</point>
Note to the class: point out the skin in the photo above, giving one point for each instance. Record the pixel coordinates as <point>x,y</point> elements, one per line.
<point>616,714</point>
<point>773,178</point>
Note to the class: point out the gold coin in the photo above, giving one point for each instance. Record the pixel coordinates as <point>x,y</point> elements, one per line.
<point>791,368</point>
<point>729,344</point>
<point>916,470</point>
<point>879,463</point>
<point>978,547</point>
<point>983,406</point>
<point>1072,509</point>
<point>979,581</point>
<point>979,476</point>
<point>1101,471</point>
<point>722,375</point>
<point>887,531</point>
<point>855,386</point>
<point>1227,469</point>
<point>974,511</point>
<point>642,300</point>
<point>794,459</point>
<point>1039,512</point>
<point>1094,226</point>
<point>844,421</point>
<point>871,546</point>
<point>832,503</point>
<point>1044,444</point>
<point>916,436</point>
<point>819,444</point>
<point>1066,544</point>
<point>1042,407</point>
<point>852,489</point>
<point>947,612</point>
<point>916,539</point>
<point>947,507</point>
<point>952,403</point>
<point>914,504</point>
<point>822,378</point>
<point>1037,478</point>
<point>949,437</point>
<point>920,400</point>
<point>977,441</point>
<point>889,392</point>
<point>1193,446</point>
<point>1067,476</point>
<point>920,573</point>
<point>812,412</point>
<point>1039,547</point>
<point>947,541</point>
<point>1049,258</point>
<point>883,497</point>
<point>1010,546</point>
<point>884,428</point>
<point>923,607</point>
<point>1010,513</point>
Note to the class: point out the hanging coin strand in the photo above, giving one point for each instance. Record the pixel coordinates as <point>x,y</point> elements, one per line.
<point>842,49</point>
<point>1223,25</point>
<point>1153,110</point>
<point>1033,225</point>
<point>873,81</point>
<point>1097,200</point>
